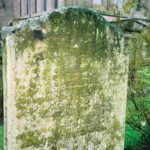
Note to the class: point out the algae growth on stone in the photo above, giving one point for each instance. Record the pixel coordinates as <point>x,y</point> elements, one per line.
<point>66,83</point>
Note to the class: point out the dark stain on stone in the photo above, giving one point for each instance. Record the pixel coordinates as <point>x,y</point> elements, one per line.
<point>37,34</point>
<point>54,147</point>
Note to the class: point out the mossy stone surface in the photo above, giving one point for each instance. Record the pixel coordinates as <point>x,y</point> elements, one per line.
<point>70,81</point>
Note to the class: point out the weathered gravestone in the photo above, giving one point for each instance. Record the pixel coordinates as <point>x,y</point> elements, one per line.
<point>65,78</point>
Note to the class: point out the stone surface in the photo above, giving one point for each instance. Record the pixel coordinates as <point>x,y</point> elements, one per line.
<point>65,83</point>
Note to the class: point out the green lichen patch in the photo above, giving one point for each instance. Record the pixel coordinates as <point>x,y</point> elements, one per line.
<point>31,139</point>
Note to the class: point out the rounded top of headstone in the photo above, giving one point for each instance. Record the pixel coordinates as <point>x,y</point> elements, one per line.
<point>34,23</point>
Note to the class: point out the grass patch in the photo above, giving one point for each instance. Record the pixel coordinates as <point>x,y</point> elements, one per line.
<point>1,137</point>
<point>132,138</point>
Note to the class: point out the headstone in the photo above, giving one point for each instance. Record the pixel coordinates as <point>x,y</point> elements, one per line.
<point>65,82</point>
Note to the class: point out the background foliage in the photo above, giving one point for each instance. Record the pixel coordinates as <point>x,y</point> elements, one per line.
<point>138,106</point>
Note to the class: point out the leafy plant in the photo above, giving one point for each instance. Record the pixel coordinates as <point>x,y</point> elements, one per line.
<point>138,108</point>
